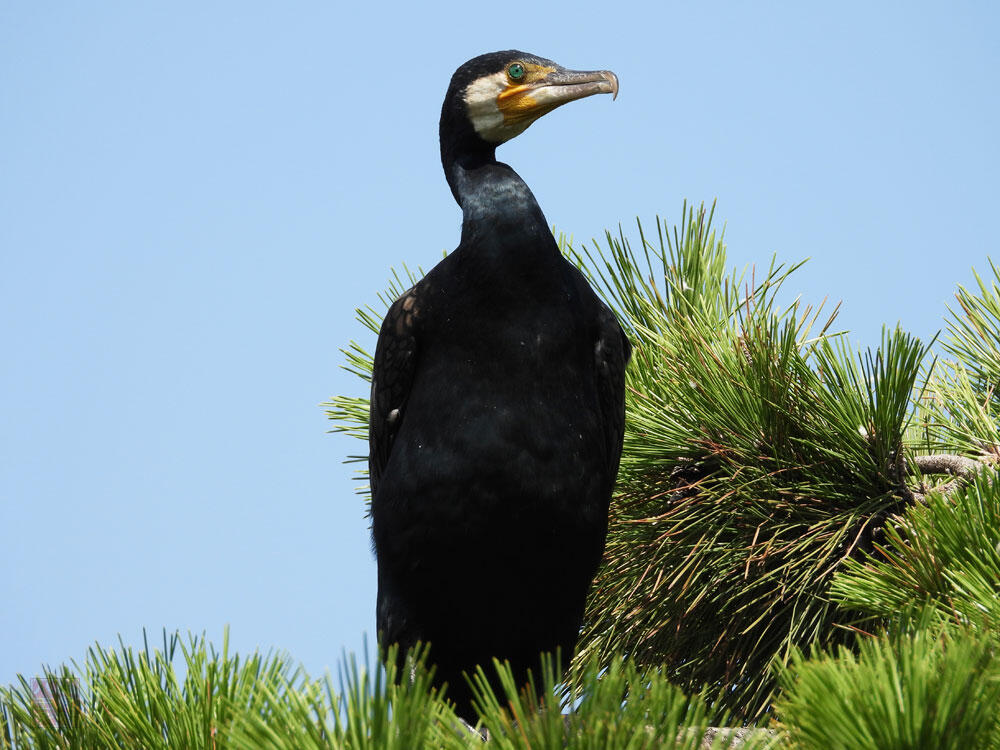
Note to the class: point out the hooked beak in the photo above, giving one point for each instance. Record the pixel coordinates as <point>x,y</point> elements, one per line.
<point>531,100</point>
<point>567,85</point>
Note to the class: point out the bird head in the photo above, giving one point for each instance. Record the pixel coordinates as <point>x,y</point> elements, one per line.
<point>502,93</point>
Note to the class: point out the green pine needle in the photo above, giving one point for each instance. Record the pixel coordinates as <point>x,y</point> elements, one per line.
<point>935,687</point>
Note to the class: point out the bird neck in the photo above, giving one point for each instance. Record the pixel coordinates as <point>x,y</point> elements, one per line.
<point>492,195</point>
<point>491,192</point>
<point>500,217</point>
<point>478,181</point>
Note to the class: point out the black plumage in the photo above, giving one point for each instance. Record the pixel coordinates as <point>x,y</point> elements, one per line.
<point>497,406</point>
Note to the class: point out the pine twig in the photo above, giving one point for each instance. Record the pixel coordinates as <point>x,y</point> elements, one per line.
<point>962,467</point>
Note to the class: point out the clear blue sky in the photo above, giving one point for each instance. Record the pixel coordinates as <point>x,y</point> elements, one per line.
<point>194,196</point>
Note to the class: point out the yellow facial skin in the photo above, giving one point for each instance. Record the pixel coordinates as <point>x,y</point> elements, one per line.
<point>515,102</point>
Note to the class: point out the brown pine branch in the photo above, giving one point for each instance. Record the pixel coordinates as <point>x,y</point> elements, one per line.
<point>961,467</point>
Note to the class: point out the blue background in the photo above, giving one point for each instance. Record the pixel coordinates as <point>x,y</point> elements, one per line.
<point>195,196</point>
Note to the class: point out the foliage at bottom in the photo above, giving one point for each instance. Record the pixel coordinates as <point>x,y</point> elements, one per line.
<point>126,699</point>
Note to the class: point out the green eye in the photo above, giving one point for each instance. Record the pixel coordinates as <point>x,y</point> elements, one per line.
<point>516,71</point>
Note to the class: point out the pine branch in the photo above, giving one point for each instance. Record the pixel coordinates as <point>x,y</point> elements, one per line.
<point>963,468</point>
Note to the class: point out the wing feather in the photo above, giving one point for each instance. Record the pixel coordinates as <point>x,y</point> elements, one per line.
<point>392,376</point>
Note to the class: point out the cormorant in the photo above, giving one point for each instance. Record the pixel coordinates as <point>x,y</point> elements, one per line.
<point>497,407</point>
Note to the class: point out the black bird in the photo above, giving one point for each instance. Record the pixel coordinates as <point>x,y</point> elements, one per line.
<point>497,406</point>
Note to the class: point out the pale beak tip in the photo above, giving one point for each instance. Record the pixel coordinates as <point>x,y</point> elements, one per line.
<point>613,80</point>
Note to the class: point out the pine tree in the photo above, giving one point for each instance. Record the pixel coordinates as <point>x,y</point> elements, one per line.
<point>803,536</point>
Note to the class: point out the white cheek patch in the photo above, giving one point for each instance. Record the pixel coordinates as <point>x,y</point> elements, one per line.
<point>481,103</point>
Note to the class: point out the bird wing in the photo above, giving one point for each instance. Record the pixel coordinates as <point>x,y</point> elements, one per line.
<point>392,376</point>
<point>612,353</point>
